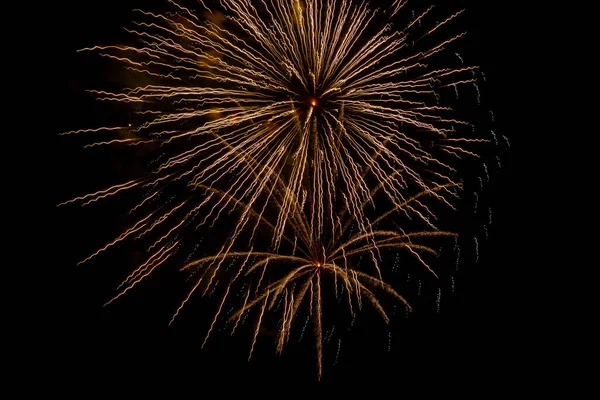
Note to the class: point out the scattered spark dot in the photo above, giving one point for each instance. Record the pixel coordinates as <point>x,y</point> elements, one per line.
<point>337,354</point>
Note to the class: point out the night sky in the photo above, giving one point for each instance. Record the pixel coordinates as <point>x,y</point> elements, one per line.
<point>481,340</point>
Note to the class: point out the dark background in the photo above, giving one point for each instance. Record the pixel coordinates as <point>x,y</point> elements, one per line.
<point>485,339</point>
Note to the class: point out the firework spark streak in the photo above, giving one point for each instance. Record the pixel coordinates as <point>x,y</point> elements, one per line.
<point>312,108</point>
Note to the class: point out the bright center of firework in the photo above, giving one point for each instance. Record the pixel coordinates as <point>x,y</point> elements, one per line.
<point>318,264</point>
<point>313,101</point>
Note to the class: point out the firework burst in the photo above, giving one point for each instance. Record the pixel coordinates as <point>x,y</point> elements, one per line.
<point>299,116</point>
<point>301,88</point>
<point>309,266</point>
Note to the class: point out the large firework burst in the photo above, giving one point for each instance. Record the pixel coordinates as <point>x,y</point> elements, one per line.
<point>311,90</point>
<point>297,115</point>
